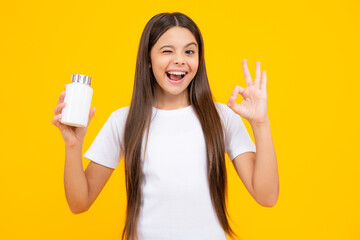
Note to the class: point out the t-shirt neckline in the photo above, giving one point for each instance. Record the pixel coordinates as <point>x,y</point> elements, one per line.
<point>172,111</point>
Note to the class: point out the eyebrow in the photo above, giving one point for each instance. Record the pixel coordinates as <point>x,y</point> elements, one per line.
<point>170,46</point>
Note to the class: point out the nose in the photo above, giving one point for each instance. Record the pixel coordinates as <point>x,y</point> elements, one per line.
<point>179,59</point>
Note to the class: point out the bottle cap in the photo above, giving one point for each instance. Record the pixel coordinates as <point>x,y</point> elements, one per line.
<point>78,78</point>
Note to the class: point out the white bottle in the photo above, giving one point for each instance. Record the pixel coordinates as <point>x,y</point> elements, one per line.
<point>78,96</point>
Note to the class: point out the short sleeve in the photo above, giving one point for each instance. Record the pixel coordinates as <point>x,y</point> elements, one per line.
<point>106,149</point>
<point>237,138</point>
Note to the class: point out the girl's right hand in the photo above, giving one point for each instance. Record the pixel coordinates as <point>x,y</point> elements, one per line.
<point>71,135</point>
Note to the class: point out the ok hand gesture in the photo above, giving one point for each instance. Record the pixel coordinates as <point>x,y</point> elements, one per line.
<point>253,107</point>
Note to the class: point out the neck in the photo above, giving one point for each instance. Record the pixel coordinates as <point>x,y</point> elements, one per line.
<point>167,101</point>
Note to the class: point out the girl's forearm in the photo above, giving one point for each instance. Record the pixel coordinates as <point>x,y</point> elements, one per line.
<point>265,175</point>
<point>75,182</point>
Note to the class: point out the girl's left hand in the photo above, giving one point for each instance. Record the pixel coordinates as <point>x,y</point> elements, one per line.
<point>253,107</point>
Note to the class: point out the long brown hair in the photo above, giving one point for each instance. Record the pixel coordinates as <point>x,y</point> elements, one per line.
<point>139,118</point>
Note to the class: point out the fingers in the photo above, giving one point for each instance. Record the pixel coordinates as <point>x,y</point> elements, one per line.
<point>231,102</point>
<point>60,103</point>
<point>257,75</point>
<point>232,105</point>
<point>56,120</point>
<point>58,109</point>
<point>247,75</point>
<point>237,90</point>
<point>61,97</point>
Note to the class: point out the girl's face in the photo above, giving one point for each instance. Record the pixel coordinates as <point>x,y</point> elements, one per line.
<point>174,62</point>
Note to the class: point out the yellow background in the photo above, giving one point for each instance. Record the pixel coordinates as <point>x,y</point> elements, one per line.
<point>309,49</point>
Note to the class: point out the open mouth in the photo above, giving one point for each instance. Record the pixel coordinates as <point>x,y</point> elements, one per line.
<point>176,76</point>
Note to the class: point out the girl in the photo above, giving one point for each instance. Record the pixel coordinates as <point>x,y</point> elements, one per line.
<point>173,138</point>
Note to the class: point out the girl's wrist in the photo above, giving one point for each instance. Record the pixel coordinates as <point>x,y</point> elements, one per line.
<point>74,144</point>
<point>260,123</point>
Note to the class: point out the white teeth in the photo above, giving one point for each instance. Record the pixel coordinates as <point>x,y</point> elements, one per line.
<point>177,73</point>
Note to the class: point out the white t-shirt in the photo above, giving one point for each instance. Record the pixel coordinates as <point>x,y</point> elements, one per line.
<point>176,203</point>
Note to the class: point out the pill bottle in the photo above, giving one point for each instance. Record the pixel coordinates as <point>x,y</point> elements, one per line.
<point>78,96</point>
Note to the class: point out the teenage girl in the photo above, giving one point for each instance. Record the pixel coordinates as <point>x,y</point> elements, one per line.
<point>173,138</point>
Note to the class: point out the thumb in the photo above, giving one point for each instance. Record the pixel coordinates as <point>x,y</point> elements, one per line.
<point>92,113</point>
<point>231,102</point>
<point>233,106</point>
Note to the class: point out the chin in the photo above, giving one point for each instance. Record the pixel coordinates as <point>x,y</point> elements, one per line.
<point>175,92</point>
